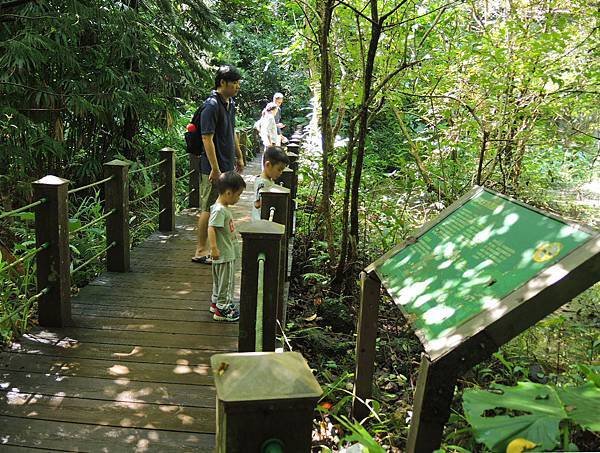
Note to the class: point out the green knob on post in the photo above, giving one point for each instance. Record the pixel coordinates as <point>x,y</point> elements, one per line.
<point>272,446</point>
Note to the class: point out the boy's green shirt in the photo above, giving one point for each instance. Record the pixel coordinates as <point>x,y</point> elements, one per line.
<point>221,219</point>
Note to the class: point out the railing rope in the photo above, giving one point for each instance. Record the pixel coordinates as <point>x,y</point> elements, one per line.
<point>22,209</point>
<point>93,222</point>
<point>82,265</point>
<point>160,162</point>
<point>148,195</point>
<point>26,256</point>
<point>149,220</point>
<point>94,184</point>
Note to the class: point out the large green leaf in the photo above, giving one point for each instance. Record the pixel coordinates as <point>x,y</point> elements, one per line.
<point>582,405</point>
<point>531,411</point>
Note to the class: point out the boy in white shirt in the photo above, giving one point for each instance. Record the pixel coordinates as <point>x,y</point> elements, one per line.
<point>274,162</point>
<point>224,247</point>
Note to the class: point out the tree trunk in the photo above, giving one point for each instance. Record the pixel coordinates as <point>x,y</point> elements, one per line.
<point>326,14</point>
<point>342,263</point>
<point>362,131</point>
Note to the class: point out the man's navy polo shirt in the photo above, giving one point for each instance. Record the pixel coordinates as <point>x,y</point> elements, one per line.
<point>219,120</point>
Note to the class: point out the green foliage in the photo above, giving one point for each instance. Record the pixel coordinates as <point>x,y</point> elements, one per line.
<point>358,433</point>
<point>581,403</point>
<point>530,411</point>
<point>82,78</point>
<point>263,42</point>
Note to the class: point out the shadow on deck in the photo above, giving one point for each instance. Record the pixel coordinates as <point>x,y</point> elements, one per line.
<point>133,373</point>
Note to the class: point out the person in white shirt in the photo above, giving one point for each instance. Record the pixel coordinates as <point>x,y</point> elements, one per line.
<point>268,127</point>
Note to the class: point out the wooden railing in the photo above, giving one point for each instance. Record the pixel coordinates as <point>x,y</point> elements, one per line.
<point>52,252</point>
<point>268,240</point>
<point>266,400</point>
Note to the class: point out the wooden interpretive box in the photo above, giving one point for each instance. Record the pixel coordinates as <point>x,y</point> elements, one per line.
<point>264,398</point>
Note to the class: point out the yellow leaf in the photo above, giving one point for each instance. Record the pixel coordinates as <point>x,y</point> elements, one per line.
<point>519,445</point>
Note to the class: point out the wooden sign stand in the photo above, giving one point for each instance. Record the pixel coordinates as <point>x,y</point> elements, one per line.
<point>475,339</point>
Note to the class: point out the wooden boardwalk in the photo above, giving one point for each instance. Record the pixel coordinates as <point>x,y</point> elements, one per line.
<point>133,374</point>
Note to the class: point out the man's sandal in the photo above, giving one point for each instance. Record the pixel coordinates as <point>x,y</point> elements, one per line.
<point>202,259</point>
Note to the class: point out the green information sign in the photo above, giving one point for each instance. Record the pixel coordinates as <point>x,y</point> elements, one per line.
<point>469,261</point>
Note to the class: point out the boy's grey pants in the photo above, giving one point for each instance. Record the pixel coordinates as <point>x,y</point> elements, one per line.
<point>223,275</point>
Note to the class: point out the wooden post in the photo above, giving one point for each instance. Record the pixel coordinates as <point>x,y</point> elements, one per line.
<point>243,138</point>
<point>265,402</point>
<point>166,195</point>
<point>293,147</point>
<point>256,143</point>
<point>287,180</point>
<point>431,406</point>
<point>279,198</point>
<point>52,226</point>
<point>116,196</point>
<point>194,185</point>
<point>370,288</point>
<point>259,236</point>
<point>294,166</point>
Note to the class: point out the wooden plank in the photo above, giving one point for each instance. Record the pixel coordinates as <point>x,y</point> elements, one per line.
<point>118,311</point>
<point>189,286</point>
<point>156,276</point>
<point>183,269</point>
<point>142,297</point>
<point>122,353</point>
<point>181,373</point>
<point>48,435</point>
<point>120,389</point>
<point>135,372</point>
<point>107,413</point>
<point>157,326</point>
<point>174,340</point>
<point>16,449</point>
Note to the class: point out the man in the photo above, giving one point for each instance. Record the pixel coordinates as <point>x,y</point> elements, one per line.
<point>278,99</point>
<point>221,148</point>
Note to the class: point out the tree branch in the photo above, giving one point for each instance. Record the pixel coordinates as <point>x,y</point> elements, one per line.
<point>358,12</point>
<point>392,11</point>
<point>390,76</point>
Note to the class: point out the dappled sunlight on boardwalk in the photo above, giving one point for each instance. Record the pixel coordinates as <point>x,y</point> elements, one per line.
<point>133,372</point>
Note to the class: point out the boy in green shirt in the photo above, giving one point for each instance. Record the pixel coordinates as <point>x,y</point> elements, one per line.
<point>274,162</point>
<point>224,247</point>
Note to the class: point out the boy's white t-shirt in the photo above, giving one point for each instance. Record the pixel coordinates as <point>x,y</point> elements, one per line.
<point>259,183</point>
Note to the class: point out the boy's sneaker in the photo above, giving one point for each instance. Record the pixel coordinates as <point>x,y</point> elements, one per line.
<point>213,307</point>
<point>228,313</point>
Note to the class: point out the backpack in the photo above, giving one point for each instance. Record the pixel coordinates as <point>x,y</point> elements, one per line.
<point>193,138</point>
